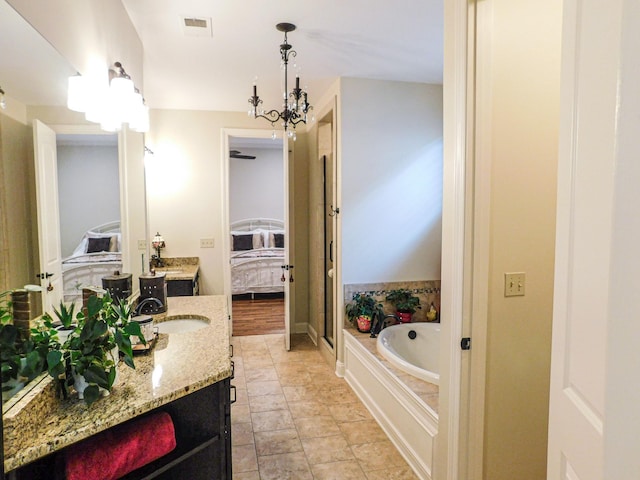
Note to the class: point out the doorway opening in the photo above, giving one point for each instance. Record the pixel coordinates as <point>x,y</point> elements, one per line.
<point>259,272</point>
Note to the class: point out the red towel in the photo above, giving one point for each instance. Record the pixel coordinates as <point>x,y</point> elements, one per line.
<point>115,452</point>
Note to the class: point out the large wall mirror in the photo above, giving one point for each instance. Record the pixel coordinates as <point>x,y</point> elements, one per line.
<point>100,176</point>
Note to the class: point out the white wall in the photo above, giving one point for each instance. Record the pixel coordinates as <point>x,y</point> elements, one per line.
<point>391,139</point>
<point>88,190</point>
<point>256,187</point>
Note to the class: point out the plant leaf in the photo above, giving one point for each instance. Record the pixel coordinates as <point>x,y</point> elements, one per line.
<point>97,375</point>
<point>91,394</point>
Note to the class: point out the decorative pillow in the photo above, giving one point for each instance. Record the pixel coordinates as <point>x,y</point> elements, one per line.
<point>242,242</point>
<point>258,240</point>
<point>278,240</point>
<point>98,244</point>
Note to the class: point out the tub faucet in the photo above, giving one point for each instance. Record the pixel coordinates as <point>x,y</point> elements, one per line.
<point>381,322</point>
<point>145,302</point>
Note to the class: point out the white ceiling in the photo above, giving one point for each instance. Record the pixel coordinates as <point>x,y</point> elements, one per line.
<point>381,39</point>
<point>400,40</point>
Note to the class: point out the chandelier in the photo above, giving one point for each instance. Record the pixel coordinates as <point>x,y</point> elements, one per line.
<point>295,106</point>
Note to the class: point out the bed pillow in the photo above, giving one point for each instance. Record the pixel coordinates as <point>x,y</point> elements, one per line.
<point>242,242</point>
<point>276,240</point>
<point>98,244</point>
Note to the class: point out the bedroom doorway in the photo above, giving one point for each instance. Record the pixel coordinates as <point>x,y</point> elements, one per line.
<point>78,196</point>
<point>259,276</point>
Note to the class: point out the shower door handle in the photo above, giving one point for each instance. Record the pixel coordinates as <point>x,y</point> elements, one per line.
<point>331,251</point>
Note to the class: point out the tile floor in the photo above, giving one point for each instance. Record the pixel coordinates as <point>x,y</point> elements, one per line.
<point>295,419</point>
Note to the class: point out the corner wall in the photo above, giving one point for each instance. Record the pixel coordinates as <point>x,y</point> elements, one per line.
<point>391,211</point>
<point>518,114</point>
<point>18,252</point>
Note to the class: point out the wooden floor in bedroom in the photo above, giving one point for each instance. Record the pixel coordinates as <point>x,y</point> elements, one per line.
<point>259,316</point>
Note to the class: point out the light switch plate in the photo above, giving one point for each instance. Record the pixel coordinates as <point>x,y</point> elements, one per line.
<point>142,244</point>
<point>207,243</point>
<point>514,284</point>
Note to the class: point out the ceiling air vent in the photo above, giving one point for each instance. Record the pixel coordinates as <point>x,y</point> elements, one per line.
<point>197,26</point>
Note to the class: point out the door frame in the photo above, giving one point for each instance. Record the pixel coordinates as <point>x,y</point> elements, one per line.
<point>226,133</point>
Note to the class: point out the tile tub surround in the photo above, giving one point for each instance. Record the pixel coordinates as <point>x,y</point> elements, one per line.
<point>428,291</point>
<point>294,418</point>
<point>177,365</point>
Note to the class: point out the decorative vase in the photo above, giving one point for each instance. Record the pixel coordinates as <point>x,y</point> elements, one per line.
<point>364,324</point>
<point>405,317</point>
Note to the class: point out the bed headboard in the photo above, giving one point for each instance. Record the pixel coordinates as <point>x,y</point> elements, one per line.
<point>249,224</point>
<point>109,227</point>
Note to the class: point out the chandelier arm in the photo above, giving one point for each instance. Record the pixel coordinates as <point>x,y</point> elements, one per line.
<point>271,116</point>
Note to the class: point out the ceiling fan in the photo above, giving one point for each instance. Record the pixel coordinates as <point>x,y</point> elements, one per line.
<point>237,154</point>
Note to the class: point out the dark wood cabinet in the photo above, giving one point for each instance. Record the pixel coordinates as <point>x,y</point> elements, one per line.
<point>183,288</point>
<point>202,422</point>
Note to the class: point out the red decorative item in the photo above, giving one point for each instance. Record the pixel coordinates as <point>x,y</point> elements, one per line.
<point>114,453</point>
<point>364,324</point>
<point>405,317</point>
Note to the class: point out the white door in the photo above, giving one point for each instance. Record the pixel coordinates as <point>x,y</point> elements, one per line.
<point>591,433</point>
<point>46,168</point>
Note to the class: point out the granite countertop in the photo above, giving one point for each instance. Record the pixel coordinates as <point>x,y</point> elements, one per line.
<point>179,364</point>
<point>179,268</point>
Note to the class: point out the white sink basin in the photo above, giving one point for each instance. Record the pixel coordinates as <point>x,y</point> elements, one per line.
<point>181,325</point>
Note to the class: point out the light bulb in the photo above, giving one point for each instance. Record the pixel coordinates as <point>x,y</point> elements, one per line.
<point>3,102</point>
<point>77,93</point>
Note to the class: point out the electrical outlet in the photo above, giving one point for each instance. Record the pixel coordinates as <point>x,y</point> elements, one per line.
<point>514,284</point>
<point>142,244</point>
<point>206,243</point>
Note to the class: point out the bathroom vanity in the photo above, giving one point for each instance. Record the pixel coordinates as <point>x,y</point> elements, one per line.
<point>187,374</point>
<point>181,274</point>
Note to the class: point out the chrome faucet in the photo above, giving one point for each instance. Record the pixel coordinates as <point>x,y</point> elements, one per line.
<point>143,303</point>
<point>381,322</point>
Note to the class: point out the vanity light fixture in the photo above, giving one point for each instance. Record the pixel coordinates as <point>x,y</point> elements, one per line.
<point>117,103</point>
<point>296,106</point>
<point>3,102</point>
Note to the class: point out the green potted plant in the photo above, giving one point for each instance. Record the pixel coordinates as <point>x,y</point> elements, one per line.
<point>88,358</point>
<point>405,303</point>
<point>23,357</point>
<point>361,310</point>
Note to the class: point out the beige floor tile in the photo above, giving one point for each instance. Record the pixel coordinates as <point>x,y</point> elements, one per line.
<point>244,458</point>
<point>241,396</point>
<point>364,431</point>
<point>320,426</point>
<point>307,409</point>
<point>266,403</point>
<point>271,387</point>
<point>259,361</point>
<point>253,475</point>
<point>278,441</point>
<point>241,434</point>
<point>349,412</point>
<point>240,414</point>
<point>393,473</point>
<point>295,378</point>
<point>347,470</point>
<point>285,466</point>
<point>378,455</point>
<point>336,395</point>
<point>327,449</point>
<point>260,374</point>
<point>273,420</point>
<point>300,393</point>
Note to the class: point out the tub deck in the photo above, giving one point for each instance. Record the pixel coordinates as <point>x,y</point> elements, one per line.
<point>427,392</point>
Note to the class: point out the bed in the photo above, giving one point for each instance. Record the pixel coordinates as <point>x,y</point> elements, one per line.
<point>257,256</point>
<point>98,255</point>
